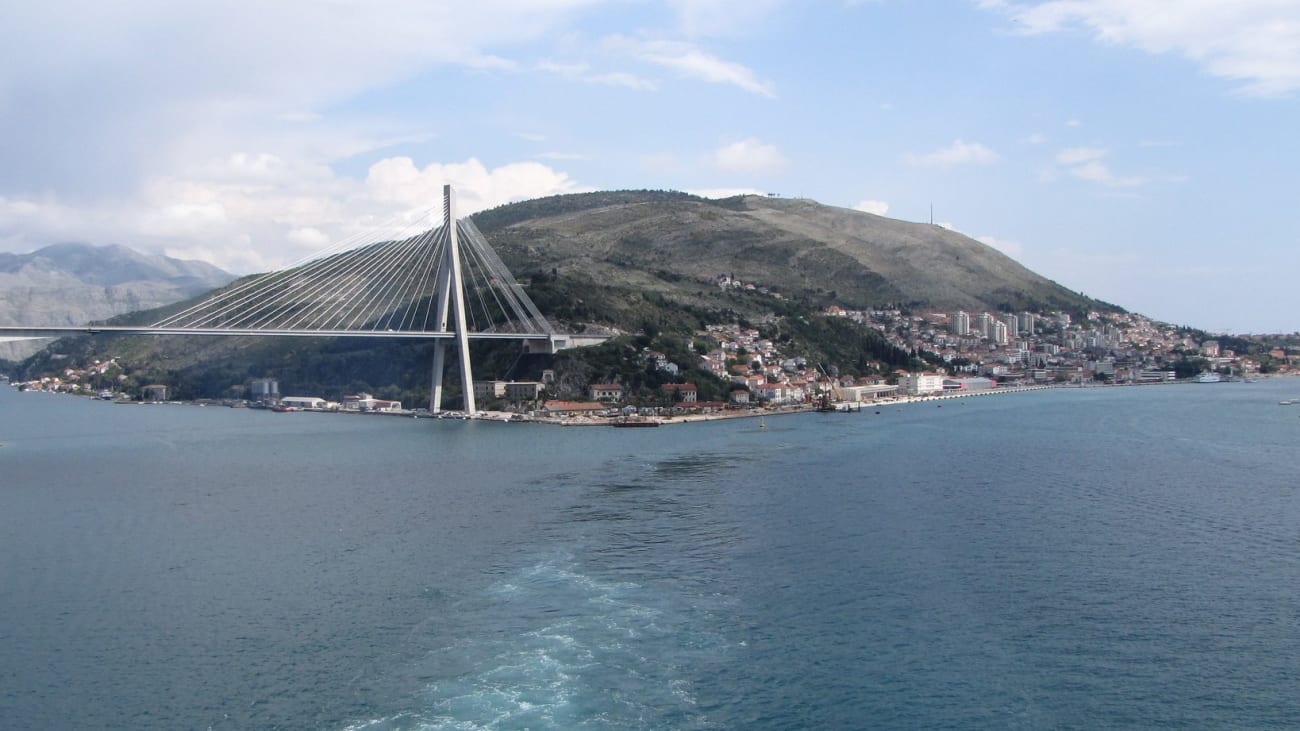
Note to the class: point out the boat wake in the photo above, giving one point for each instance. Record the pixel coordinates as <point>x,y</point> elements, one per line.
<point>560,649</point>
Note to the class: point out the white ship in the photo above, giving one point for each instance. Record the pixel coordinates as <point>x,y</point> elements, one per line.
<point>1209,377</point>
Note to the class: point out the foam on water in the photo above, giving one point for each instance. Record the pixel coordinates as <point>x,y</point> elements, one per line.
<point>575,652</point>
<point>582,652</point>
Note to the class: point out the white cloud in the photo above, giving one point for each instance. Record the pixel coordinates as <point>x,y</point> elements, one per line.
<point>256,222</point>
<point>308,237</point>
<point>879,208</point>
<point>622,79</point>
<point>1079,155</point>
<point>1253,42</point>
<point>1086,163</point>
<point>959,152</point>
<point>397,180</point>
<point>225,149</point>
<point>698,18</point>
<point>582,72</point>
<point>15,209</point>
<point>116,94</point>
<point>691,62</point>
<point>1096,171</point>
<point>750,156</point>
<point>562,156</point>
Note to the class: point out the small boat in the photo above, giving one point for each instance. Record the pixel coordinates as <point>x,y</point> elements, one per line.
<point>1287,402</point>
<point>633,421</point>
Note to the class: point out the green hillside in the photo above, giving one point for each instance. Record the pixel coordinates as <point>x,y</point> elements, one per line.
<point>643,263</point>
<point>673,242</point>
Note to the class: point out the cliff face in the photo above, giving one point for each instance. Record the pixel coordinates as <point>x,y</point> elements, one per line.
<point>74,284</point>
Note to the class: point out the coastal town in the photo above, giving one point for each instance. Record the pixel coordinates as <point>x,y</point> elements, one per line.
<point>967,353</point>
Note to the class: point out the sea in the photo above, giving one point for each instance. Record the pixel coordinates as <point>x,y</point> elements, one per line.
<point>1110,557</point>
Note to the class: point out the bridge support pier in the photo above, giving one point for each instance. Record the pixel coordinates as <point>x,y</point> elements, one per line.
<point>451,300</point>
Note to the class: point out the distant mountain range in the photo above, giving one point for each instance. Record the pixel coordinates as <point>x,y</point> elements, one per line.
<point>74,284</point>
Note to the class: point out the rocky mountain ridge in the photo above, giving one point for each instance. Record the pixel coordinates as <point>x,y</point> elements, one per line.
<point>74,284</point>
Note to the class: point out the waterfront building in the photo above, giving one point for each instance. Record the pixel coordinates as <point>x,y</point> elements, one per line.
<point>866,392</point>
<point>264,390</point>
<point>524,390</point>
<point>1155,376</point>
<point>560,409</point>
<point>489,390</point>
<point>305,402</point>
<point>920,384</point>
<point>366,402</point>
<point>969,384</point>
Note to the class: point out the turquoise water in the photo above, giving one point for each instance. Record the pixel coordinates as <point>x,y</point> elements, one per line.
<point>1070,559</point>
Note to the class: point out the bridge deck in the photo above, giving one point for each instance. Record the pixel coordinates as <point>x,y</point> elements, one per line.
<point>53,332</point>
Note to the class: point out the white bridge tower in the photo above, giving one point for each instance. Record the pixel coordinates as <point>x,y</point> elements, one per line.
<point>451,296</point>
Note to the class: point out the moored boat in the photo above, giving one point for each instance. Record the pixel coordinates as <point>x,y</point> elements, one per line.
<point>633,421</point>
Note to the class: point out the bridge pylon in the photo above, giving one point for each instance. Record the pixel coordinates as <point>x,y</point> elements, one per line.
<point>451,311</point>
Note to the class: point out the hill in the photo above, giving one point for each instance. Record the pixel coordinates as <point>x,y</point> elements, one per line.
<point>673,242</point>
<point>647,264</point>
<point>73,284</point>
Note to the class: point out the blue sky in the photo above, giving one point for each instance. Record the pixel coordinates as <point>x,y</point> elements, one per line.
<point>1143,153</point>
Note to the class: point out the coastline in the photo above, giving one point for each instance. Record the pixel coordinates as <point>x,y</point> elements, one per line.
<point>839,407</point>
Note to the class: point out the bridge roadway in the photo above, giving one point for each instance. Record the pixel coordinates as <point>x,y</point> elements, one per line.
<point>18,331</point>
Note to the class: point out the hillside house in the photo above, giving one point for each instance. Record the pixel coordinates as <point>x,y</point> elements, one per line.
<point>685,393</point>
<point>524,390</point>
<point>605,392</point>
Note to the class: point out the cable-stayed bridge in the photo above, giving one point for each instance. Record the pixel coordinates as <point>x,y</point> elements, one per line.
<point>445,284</point>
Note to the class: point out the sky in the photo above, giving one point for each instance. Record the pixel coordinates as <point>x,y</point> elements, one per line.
<point>1144,153</point>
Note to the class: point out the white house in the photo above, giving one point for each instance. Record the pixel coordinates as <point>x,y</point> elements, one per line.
<point>921,384</point>
<point>366,402</point>
<point>605,392</point>
<point>305,402</point>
